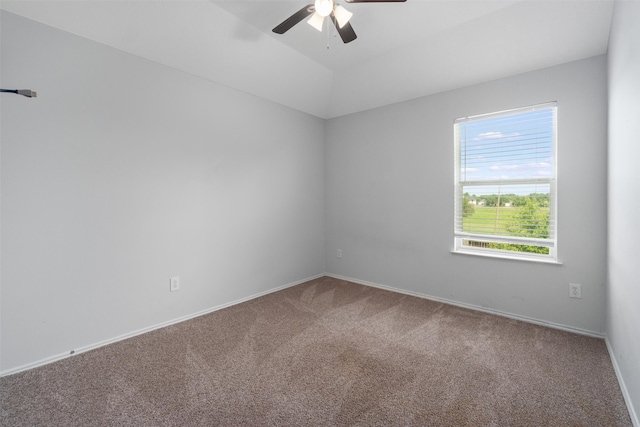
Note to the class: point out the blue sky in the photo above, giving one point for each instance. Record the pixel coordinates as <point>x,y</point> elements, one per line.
<point>507,148</point>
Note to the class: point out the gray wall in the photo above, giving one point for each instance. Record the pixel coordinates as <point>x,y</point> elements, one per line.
<point>623,306</point>
<point>123,173</point>
<point>389,186</point>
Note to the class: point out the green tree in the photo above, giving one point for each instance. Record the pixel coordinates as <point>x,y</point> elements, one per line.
<point>491,199</point>
<point>530,220</point>
<point>467,208</point>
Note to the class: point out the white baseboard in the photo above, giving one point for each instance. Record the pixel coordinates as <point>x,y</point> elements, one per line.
<point>623,387</point>
<point>474,307</point>
<point>94,346</point>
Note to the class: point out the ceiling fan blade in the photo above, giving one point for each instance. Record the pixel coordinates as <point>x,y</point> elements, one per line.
<point>346,32</point>
<point>288,23</point>
<point>375,1</point>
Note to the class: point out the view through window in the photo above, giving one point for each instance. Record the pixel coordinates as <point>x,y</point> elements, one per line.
<point>505,182</point>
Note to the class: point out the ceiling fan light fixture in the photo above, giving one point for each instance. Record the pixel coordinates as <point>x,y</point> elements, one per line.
<point>316,21</point>
<point>324,7</point>
<point>342,15</point>
<point>319,10</point>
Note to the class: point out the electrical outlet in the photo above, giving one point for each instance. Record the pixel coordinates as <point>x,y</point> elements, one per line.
<point>575,290</point>
<point>338,253</point>
<point>175,283</point>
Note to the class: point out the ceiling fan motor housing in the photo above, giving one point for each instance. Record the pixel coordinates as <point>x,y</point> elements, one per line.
<point>323,8</point>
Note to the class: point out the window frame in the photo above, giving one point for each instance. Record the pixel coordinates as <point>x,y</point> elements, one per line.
<point>460,236</point>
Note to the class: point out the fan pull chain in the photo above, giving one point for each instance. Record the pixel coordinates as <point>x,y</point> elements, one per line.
<point>326,33</point>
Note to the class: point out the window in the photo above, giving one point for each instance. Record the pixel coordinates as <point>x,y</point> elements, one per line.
<point>505,183</point>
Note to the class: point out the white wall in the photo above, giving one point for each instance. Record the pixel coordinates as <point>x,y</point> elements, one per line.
<point>623,280</point>
<point>123,173</point>
<point>389,186</point>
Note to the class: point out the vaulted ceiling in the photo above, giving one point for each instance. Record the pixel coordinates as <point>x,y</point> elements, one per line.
<point>403,50</point>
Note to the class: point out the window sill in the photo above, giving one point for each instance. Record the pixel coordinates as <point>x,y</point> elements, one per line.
<point>505,256</point>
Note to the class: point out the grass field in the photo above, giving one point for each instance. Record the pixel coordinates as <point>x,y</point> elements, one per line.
<point>491,221</point>
<point>488,220</point>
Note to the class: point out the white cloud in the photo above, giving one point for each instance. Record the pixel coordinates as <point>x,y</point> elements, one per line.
<point>495,135</point>
<point>504,167</point>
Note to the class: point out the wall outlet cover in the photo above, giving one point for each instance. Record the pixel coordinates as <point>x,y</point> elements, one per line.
<point>575,290</point>
<point>174,283</point>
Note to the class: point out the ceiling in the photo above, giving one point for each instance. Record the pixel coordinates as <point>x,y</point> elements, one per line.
<point>382,27</point>
<point>403,50</point>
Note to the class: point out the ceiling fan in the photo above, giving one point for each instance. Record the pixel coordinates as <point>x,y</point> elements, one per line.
<point>323,8</point>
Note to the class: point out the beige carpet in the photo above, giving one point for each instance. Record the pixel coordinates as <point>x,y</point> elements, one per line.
<point>328,352</point>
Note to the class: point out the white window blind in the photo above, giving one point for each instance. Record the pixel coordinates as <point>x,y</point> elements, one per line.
<point>505,182</point>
